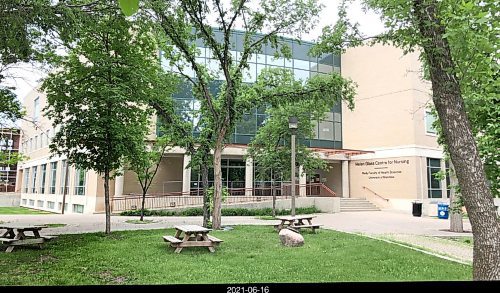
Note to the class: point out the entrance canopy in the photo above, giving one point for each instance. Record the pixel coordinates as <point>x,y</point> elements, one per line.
<point>335,153</point>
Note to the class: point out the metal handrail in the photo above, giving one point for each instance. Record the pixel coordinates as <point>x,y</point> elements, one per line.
<point>364,187</point>
<point>182,199</point>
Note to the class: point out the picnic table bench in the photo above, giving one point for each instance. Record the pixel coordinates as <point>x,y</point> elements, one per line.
<point>15,235</point>
<point>296,222</point>
<point>194,236</point>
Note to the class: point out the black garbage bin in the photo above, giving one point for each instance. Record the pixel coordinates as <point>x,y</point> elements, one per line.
<point>417,209</point>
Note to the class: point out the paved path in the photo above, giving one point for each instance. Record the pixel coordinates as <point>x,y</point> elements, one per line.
<point>387,224</point>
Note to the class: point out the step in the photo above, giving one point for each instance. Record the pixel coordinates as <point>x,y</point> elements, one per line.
<point>357,205</point>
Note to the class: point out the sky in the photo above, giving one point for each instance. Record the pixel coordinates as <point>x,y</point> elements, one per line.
<point>370,24</point>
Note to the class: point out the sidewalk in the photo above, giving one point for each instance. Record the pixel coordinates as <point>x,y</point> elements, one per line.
<point>391,225</point>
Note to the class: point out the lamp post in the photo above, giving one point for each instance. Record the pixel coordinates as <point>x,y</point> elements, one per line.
<point>293,125</point>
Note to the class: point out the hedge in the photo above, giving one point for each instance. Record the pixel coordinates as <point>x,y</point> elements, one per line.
<point>225,212</point>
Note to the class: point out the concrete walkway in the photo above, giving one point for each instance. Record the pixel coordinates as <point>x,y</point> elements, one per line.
<point>423,232</point>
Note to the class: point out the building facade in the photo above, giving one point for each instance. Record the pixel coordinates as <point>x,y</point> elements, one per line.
<point>389,123</point>
<point>9,147</point>
<point>392,119</point>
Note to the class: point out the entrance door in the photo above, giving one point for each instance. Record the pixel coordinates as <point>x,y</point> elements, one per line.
<point>312,183</point>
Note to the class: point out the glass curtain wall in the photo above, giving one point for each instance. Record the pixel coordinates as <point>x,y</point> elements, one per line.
<point>328,133</point>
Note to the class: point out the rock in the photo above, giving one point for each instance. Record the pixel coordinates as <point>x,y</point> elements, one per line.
<point>290,238</point>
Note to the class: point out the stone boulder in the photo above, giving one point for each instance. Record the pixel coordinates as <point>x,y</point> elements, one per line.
<point>291,238</point>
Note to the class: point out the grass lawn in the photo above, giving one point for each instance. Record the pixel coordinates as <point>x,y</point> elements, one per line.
<point>20,211</point>
<point>249,254</point>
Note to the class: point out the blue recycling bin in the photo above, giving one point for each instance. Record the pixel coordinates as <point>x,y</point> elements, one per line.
<point>443,210</point>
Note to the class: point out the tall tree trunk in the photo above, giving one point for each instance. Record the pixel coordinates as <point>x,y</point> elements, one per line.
<point>460,141</point>
<point>206,202</point>
<point>143,203</point>
<point>107,206</point>
<point>456,222</point>
<point>216,213</point>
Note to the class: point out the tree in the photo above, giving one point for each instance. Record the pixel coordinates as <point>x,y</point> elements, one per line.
<point>146,158</point>
<point>10,107</point>
<point>145,162</point>
<point>437,29</point>
<point>182,22</point>
<point>98,95</point>
<point>309,101</point>
<point>197,147</point>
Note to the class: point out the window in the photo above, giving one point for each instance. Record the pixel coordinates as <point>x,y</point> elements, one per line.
<point>35,147</point>
<point>32,202</point>
<point>65,206</point>
<point>26,179</point>
<point>53,174</point>
<point>24,201</point>
<point>39,203</point>
<point>42,178</point>
<point>77,208</point>
<point>51,205</point>
<point>80,176</point>
<point>33,179</point>
<point>36,109</point>
<point>64,183</point>
<point>31,144</point>
<point>325,130</point>
<point>433,184</point>
<point>429,120</point>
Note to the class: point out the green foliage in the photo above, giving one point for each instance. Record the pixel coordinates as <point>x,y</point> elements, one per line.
<point>97,97</point>
<point>210,192</point>
<point>309,101</point>
<point>472,34</point>
<point>129,7</point>
<point>337,38</point>
<point>225,212</point>
<point>10,107</point>
<point>183,22</point>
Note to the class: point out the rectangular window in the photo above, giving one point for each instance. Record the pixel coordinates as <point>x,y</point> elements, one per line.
<point>64,181</point>
<point>33,179</point>
<point>24,201</point>
<point>53,174</point>
<point>325,130</point>
<point>65,207</point>
<point>31,144</point>
<point>32,202</point>
<point>36,109</point>
<point>39,203</point>
<point>35,147</point>
<point>26,179</point>
<point>429,120</point>
<point>80,180</point>
<point>78,208</point>
<point>433,184</point>
<point>42,178</point>
<point>51,205</point>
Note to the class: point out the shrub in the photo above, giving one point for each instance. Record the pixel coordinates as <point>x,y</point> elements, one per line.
<point>225,212</point>
<point>191,212</point>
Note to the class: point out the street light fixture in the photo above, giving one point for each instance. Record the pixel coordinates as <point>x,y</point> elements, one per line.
<point>293,124</point>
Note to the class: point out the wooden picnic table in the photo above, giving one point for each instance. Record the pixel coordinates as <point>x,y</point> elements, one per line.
<point>194,236</point>
<point>15,235</point>
<point>296,222</point>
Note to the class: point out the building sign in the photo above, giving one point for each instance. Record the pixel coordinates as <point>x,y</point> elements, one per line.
<point>383,169</point>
